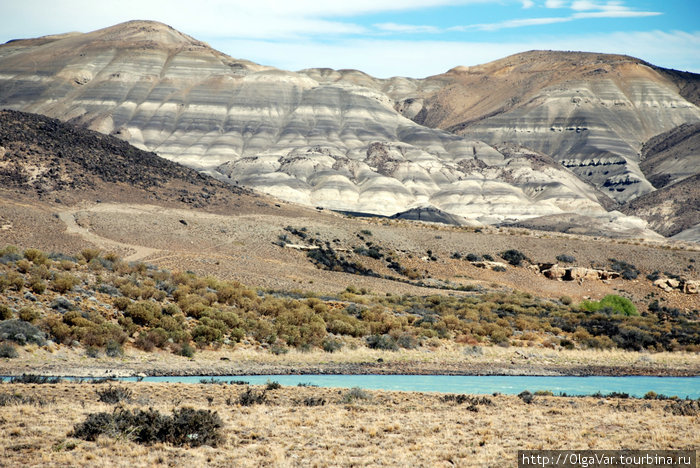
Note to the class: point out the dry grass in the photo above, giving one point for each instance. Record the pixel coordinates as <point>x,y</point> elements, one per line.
<point>390,429</point>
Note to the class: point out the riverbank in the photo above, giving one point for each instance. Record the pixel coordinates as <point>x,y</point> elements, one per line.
<point>304,426</point>
<point>445,360</point>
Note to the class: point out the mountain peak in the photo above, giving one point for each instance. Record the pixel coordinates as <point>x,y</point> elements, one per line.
<point>145,31</point>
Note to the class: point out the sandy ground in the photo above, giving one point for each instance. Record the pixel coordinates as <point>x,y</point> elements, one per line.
<point>383,429</point>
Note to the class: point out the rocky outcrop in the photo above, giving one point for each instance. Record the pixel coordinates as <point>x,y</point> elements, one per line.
<point>573,273</point>
<point>683,285</point>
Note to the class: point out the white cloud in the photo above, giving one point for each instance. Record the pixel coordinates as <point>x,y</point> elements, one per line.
<point>528,4</point>
<point>554,4</point>
<point>407,28</point>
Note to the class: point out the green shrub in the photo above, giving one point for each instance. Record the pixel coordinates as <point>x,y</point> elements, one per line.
<point>617,304</point>
<point>144,313</point>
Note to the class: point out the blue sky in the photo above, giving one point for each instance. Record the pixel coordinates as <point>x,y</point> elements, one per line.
<point>413,38</point>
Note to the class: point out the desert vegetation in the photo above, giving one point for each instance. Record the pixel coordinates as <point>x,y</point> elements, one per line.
<point>103,303</point>
<point>68,423</point>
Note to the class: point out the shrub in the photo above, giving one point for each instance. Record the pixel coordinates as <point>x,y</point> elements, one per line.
<point>474,258</point>
<point>5,312</point>
<point>385,342</point>
<point>514,257</point>
<point>37,286</point>
<point>8,351</point>
<point>565,258</point>
<point>36,256</point>
<point>187,350</point>
<point>330,345</point>
<point>408,341</point>
<point>28,314</point>
<point>354,394</point>
<point>526,396</point>
<point>113,395</point>
<point>143,313</point>
<point>617,304</point>
<point>186,426</point>
<point>114,349</point>
<point>89,254</point>
<point>21,332</point>
<point>272,385</point>
<point>63,283</point>
<point>250,397</point>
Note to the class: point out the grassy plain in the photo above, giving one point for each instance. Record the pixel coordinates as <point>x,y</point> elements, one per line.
<point>386,429</point>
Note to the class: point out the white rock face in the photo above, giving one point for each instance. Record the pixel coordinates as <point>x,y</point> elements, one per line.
<point>323,137</point>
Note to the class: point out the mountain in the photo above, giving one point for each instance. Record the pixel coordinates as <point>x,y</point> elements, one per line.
<point>44,158</point>
<point>347,141</point>
<point>590,112</point>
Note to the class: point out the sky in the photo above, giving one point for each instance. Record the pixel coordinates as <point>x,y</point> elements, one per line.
<point>414,38</point>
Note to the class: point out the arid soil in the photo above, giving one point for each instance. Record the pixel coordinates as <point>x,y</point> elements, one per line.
<point>367,428</point>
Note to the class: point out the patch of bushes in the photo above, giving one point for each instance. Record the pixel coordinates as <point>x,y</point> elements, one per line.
<point>627,270</point>
<point>185,427</point>
<point>566,258</point>
<point>7,399</point>
<point>34,379</point>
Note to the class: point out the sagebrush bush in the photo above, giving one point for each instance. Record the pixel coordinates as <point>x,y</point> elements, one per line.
<point>8,351</point>
<point>113,395</point>
<point>186,427</point>
<point>385,342</point>
<point>64,282</point>
<point>354,394</point>
<point>21,332</point>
